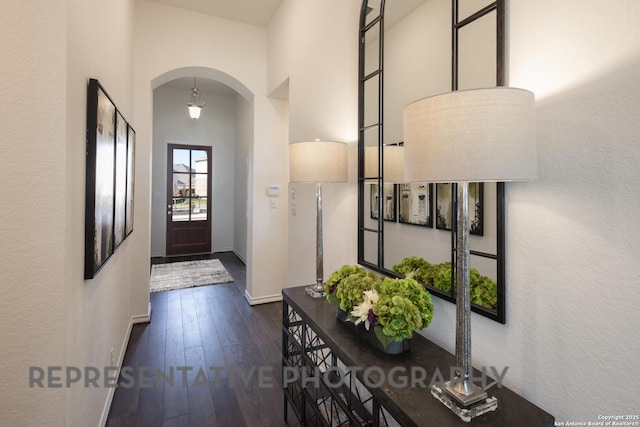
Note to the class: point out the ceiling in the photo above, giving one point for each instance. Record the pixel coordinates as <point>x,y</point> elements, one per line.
<point>255,12</point>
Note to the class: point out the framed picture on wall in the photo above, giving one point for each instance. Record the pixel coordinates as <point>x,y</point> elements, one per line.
<point>416,204</point>
<point>444,206</point>
<point>100,174</point>
<point>131,152</point>
<point>476,196</point>
<point>389,192</point>
<point>121,179</point>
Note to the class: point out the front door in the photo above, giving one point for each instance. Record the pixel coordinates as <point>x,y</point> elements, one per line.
<point>188,199</point>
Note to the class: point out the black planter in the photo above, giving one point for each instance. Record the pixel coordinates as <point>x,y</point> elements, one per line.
<point>395,347</point>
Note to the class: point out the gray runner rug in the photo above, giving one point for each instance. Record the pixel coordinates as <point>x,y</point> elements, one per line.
<point>188,274</point>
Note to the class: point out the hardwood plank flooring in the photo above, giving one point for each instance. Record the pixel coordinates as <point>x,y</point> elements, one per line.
<point>207,357</point>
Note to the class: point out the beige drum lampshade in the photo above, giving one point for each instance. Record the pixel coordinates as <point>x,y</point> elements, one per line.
<point>318,161</point>
<point>471,135</point>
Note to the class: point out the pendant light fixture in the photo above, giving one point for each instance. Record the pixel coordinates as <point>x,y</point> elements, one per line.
<point>195,106</point>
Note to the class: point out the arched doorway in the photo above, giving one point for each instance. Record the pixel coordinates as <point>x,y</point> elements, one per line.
<point>222,128</point>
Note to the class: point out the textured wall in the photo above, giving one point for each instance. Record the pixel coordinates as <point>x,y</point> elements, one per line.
<point>32,219</point>
<point>49,315</point>
<point>315,46</point>
<point>98,312</point>
<point>572,240</point>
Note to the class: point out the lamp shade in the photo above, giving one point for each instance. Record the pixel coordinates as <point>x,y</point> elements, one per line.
<point>471,135</point>
<point>318,161</point>
<point>393,163</point>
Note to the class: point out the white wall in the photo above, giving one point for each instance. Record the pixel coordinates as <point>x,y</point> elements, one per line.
<point>99,312</point>
<point>243,144</point>
<point>32,231</point>
<point>50,315</point>
<point>215,128</point>
<point>572,241</point>
<point>315,46</point>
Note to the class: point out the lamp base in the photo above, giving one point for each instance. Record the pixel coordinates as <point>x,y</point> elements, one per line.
<point>314,291</point>
<point>480,402</point>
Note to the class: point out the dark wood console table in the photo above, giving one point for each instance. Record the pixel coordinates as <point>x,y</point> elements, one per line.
<point>313,341</point>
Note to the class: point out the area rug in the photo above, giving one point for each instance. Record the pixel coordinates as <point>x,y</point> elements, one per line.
<point>188,274</point>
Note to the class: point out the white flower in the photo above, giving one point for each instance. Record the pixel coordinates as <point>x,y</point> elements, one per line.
<point>361,311</point>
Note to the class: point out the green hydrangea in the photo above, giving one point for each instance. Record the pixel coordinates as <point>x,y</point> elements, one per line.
<point>403,306</point>
<point>336,278</point>
<point>483,289</point>
<point>345,287</point>
<point>442,277</point>
<point>398,317</point>
<point>409,265</point>
<point>350,292</point>
<point>411,290</point>
<point>435,275</point>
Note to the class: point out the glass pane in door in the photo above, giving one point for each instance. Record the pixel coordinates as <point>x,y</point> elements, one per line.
<point>199,161</point>
<point>181,190</point>
<point>181,160</point>
<point>199,197</point>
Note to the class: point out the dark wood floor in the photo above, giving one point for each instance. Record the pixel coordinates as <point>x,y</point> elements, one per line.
<point>212,331</point>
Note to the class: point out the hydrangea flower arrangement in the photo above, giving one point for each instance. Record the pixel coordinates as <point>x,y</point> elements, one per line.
<point>484,290</point>
<point>394,308</point>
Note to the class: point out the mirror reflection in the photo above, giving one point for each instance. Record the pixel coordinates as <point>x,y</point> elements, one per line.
<point>406,228</point>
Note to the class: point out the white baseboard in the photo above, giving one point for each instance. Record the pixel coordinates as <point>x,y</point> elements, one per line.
<point>244,261</point>
<point>141,318</point>
<point>262,300</point>
<point>223,249</point>
<point>112,390</point>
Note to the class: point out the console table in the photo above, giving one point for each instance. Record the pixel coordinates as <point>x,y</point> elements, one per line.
<point>323,364</point>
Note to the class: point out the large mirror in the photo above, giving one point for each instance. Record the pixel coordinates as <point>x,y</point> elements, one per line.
<point>411,49</point>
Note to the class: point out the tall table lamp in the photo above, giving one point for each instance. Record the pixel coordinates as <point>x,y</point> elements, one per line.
<point>467,136</point>
<point>318,161</point>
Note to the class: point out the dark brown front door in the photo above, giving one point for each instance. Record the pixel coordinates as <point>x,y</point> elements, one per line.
<point>188,199</point>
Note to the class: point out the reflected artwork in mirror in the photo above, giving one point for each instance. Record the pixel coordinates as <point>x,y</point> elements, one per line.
<point>411,49</point>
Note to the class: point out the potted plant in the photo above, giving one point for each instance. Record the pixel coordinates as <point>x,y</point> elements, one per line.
<point>386,311</point>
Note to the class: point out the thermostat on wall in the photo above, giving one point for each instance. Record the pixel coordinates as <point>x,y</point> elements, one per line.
<point>273,191</point>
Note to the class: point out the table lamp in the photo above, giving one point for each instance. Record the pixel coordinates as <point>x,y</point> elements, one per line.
<point>318,161</point>
<point>467,136</point>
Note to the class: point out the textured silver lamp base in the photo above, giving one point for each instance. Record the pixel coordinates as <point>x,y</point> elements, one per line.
<point>315,291</point>
<point>465,412</point>
<point>460,395</point>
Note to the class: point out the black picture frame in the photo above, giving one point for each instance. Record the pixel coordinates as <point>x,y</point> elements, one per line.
<point>389,193</point>
<point>444,206</point>
<point>131,155</point>
<point>476,208</point>
<point>445,211</point>
<point>109,179</point>
<point>120,190</point>
<point>100,179</point>
<point>415,202</point>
